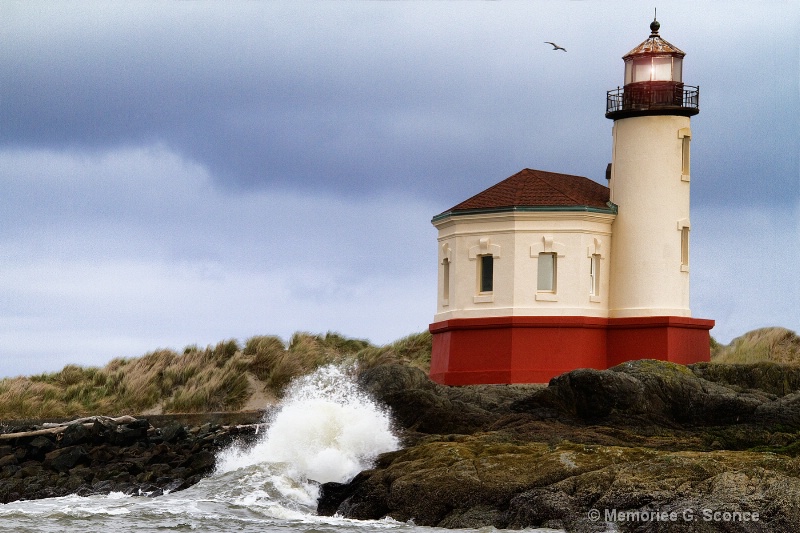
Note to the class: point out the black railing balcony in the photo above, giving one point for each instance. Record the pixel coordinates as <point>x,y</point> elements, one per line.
<point>653,98</point>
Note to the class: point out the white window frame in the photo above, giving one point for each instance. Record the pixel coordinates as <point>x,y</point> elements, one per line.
<point>596,256</point>
<point>482,262</point>
<point>483,248</point>
<point>547,282</point>
<point>594,275</point>
<point>447,263</point>
<point>546,244</point>
<point>685,134</point>
<point>684,226</point>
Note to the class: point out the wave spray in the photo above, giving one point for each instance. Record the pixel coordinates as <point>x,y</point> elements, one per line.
<point>325,429</point>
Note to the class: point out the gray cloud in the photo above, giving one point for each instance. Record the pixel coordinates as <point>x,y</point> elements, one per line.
<point>173,173</point>
<point>360,98</point>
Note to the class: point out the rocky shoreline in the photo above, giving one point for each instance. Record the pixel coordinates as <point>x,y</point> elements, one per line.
<point>100,455</point>
<point>645,446</point>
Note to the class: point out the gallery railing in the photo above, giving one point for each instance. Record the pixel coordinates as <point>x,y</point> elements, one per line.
<point>653,97</point>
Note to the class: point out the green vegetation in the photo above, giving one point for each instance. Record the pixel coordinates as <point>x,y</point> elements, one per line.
<point>218,378</point>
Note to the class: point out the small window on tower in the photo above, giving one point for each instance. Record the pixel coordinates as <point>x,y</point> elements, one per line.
<point>685,156</point>
<point>685,135</point>
<point>546,276</point>
<point>685,248</point>
<point>486,274</point>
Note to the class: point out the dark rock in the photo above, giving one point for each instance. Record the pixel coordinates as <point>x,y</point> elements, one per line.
<point>765,377</point>
<point>331,496</point>
<point>103,487</point>
<point>111,456</point>
<point>172,432</point>
<point>364,498</point>
<point>102,428</point>
<point>536,507</point>
<point>40,446</point>
<point>63,459</point>
<point>420,405</point>
<point>201,462</point>
<point>74,434</point>
<point>473,518</point>
<point>128,434</point>
<point>172,484</point>
<point>654,392</point>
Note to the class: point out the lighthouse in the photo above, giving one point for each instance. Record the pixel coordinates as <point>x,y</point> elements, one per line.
<point>544,272</point>
<point>650,182</point>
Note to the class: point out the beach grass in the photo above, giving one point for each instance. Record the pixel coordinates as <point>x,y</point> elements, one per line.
<point>777,345</point>
<point>225,376</point>
<point>210,379</point>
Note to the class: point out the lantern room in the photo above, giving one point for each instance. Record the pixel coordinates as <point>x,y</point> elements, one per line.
<point>654,60</point>
<point>653,82</point>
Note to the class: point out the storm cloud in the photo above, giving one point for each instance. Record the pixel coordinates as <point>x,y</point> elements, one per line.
<point>178,173</point>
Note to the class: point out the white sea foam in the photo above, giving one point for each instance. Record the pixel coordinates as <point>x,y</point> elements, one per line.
<point>325,429</point>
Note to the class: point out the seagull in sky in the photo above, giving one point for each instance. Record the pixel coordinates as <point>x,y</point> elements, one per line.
<point>556,47</point>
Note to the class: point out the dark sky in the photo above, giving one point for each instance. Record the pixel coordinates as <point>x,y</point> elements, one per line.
<point>186,172</point>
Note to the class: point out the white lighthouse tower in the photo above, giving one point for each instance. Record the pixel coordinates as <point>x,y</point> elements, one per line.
<point>650,181</point>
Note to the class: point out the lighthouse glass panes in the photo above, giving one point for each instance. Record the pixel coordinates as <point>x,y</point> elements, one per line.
<point>486,275</point>
<point>658,68</point>
<point>677,69</point>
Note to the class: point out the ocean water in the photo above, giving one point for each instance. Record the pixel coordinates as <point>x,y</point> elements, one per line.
<point>324,430</point>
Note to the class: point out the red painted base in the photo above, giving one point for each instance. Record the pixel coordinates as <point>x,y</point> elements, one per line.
<point>534,349</point>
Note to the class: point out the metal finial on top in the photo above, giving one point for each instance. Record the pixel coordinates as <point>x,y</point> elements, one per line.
<point>654,26</point>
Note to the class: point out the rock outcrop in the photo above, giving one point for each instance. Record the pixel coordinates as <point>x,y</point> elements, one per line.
<point>647,445</point>
<point>99,455</point>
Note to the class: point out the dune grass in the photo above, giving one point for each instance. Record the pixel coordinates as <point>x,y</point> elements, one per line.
<point>208,379</point>
<point>777,345</point>
<point>215,378</point>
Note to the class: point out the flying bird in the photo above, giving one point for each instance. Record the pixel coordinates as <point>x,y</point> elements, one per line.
<point>556,47</point>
